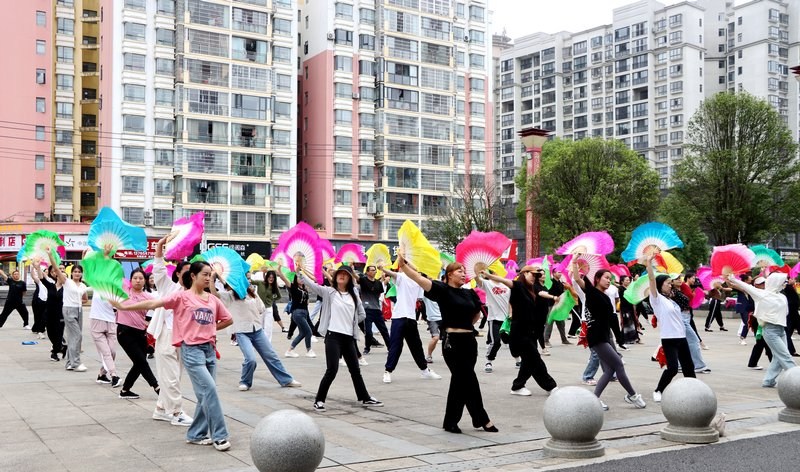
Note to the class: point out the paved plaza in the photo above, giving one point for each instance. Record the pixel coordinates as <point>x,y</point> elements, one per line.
<point>52,419</point>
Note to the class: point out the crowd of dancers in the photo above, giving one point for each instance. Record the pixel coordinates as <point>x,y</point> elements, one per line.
<point>176,318</point>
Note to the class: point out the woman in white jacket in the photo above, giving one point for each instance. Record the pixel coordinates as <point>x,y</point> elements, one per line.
<point>771,309</point>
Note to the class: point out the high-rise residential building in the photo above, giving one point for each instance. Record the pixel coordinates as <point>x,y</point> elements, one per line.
<point>395,111</point>
<point>641,78</point>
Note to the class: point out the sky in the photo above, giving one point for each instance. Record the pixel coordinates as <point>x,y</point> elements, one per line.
<point>523,17</point>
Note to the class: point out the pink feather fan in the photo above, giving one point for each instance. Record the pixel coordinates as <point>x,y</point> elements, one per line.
<point>512,267</point>
<point>480,250</point>
<point>795,271</point>
<point>709,281</point>
<point>327,249</point>
<point>588,264</point>
<point>619,270</point>
<point>731,259</point>
<point>698,298</point>
<point>186,234</point>
<point>302,240</point>
<point>594,242</point>
<point>351,254</point>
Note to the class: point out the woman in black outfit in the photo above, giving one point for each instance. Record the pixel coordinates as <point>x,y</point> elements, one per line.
<point>529,306</point>
<point>460,308</point>
<point>16,290</point>
<point>628,313</point>
<point>39,307</point>
<point>55,319</point>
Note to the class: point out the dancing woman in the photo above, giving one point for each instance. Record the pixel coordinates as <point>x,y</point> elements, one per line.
<point>298,294</point>
<point>54,320</point>
<point>74,297</point>
<point>460,308</point>
<point>132,337</point>
<point>16,290</point>
<point>599,316</point>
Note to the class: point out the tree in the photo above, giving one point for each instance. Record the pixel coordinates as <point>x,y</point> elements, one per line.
<point>740,172</point>
<point>469,207</point>
<point>686,222</point>
<point>589,185</point>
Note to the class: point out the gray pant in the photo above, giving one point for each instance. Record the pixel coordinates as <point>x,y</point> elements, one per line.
<point>694,343</point>
<point>73,330</point>
<point>548,330</point>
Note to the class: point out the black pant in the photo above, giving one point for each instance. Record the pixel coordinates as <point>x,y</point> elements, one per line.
<point>55,328</point>
<point>39,315</point>
<point>676,351</point>
<point>493,340</point>
<point>575,325</point>
<point>134,342</point>
<point>374,317</point>
<point>714,313</point>
<point>755,355</point>
<point>532,365</point>
<point>12,305</point>
<point>460,352</point>
<point>405,329</point>
<point>341,345</point>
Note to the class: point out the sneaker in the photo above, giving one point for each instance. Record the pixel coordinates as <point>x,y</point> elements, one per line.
<point>387,377</point>
<point>704,347</point>
<point>293,384</point>
<point>704,370</point>
<point>603,405</point>
<point>589,382</point>
<point>311,353</point>
<point>428,374</point>
<point>69,367</point>
<point>429,360</point>
<point>222,445</point>
<point>116,382</point>
<point>657,397</point>
<point>181,419</point>
<point>42,336</point>
<point>342,362</point>
<point>372,402</point>
<point>545,352</point>
<point>234,342</point>
<point>722,328</point>
<point>636,400</point>
<point>103,379</point>
<point>366,352</point>
<point>26,327</point>
<point>128,395</point>
<point>319,406</point>
<point>162,415</point>
<point>81,368</point>
<point>243,387</point>
<point>521,391</point>
<point>755,367</point>
<point>314,339</point>
<point>284,330</point>
<point>200,442</point>
<point>291,353</point>
<point>488,368</point>
<point>517,364</point>
<point>742,342</point>
<point>570,336</point>
<point>547,345</point>
<point>769,385</point>
<point>363,362</point>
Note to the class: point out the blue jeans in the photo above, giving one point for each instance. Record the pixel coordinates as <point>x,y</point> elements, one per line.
<point>592,366</point>
<point>694,343</point>
<point>775,337</point>
<point>257,342</point>
<point>300,318</point>
<point>200,362</point>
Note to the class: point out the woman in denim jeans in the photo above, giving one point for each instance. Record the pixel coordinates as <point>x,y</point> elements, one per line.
<point>299,300</point>
<point>197,317</point>
<point>249,331</point>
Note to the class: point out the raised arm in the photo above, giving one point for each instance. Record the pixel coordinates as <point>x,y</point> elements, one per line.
<point>495,278</point>
<point>61,276</point>
<point>3,275</point>
<point>142,305</point>
<point>412,274</point>
<point>388,272</point>
<point>576,275</point>
<point>312,286</point>
<point>651,274</point>
<point>36,271</point>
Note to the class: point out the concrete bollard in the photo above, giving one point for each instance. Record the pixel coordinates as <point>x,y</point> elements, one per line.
<point>689,406</point>
<point>287,441</point>
<point>573,417</point>
<point>789,393</point>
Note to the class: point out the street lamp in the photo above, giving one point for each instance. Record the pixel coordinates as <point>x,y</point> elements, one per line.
<point>533,139</point>
<point>202,190</point>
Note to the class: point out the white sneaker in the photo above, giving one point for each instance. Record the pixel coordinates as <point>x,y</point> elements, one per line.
<point>657,397</point>
<point>293,384</point>
<point>387,377</point>
<point>521,391</point>
<point>291,353</point>
<point>603,405</point>
<point>429,375</point>
<point>488,368</point>
<point>314,339</point>
<point>243,388</point>
<point>161,415</point>
<point>636,400</point>
<point>42,336</point>
<point>545,352</point>
<point>756,367</point>
<point>362,361</point>
<point>182,420</point>
<point>742,342</point>
<point>311,353</point>
<point>80,368</point>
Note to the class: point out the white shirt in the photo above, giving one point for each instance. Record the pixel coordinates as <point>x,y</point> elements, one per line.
<point>408,292</point>
<point>342,312</point>
<point>432,310</point>
<point>497,296</point>
<point>670,319</point>
<point>73,293</point>
<point>612,292</point>
<point>102,310</point>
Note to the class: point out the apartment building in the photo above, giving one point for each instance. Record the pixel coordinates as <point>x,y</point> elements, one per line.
<point>394,111</point>
<point>641,78</point>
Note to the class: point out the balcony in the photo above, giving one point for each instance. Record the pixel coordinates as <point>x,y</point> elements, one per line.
<point>89,69</point>
<point>248,200</point>
<point>406,209</point>
<point>90,16</point>
<point>89,42</point>
<point>89,123</point>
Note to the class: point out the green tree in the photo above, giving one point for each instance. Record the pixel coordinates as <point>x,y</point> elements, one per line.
<point>740,172</point>
<point>589,185</point>
<point>686,222</point>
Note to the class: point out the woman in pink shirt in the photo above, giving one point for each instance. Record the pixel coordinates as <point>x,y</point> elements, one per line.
<point>132,337</point>
<point>197,317</point>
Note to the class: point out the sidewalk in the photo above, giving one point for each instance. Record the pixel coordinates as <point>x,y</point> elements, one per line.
<point>52,419</point>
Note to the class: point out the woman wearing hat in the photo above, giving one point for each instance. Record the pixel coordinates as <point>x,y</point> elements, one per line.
<point>339,317</point>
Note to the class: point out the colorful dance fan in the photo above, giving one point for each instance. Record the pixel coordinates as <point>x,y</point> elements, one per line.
<point>539,261</point>
<point>512,268</point>
<point>638,290</point>
<point>301,240</point>
<point>731,259</point>
<point>479,250</point>
<point>619,270</point>
<point>548,277</point>
<point>229,267</point>
<point>22,258</point>
<point>594,242</point>
<point>351,254</point>
<point>497,268</point>
<point>327,249</point>
<point>766,257</point>
<point>279,257</point>
<point>650,238</point>
<point>185,235</point>
<point>105,276</point>
<point>795,271</point>
<point>108,229</point>
<point>562,310</point>
<point>698,298</point>
<point>169,266</point>
<point>41,243</point>
<point>378,255</point>
<point>667,263</point>
<point>256,261</point>
<point>563,265</point>
<point>709,281</point>
<point>446,259</point>
<point>588,264</point>
<point>417,251</point>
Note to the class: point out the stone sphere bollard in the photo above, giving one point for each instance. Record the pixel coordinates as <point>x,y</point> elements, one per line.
<point>287,441</point>
<point>689,406</point>
<point>789,393</point>
<point>573,417</point>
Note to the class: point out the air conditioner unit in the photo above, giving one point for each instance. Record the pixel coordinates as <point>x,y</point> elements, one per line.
<point>148,214</point>
<point>356,96</point>
<point>466,38</point>
<point>331,36</point>
<point>372,208</point>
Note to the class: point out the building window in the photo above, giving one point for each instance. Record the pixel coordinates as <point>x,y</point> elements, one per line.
<point>39,191</point>
<point>41,47</point>
<point>41,76</point>
<point>132,154</point>
<point>40,105</point>
<point>65,54</point>
<point>39,162</point>
<point>133,123</point>
<point>133,61</point>
<point>134,216</point>
<point>165,66</point>
<point>63,110</point>
<point>281,54</point>
<point>135,31</point>
<point>343,37</point>
<point>63,137</point>
<point>165,127</point>
<point>165,37</point>
<point>40,133</point>
<point>132,184</point>
<point>343,63</point>
<point>41,18</point>
<point>63,194</point>
<point>282,27</point>
<point>64,82</point>
<point>133,93</point>
<point>135,5</point>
